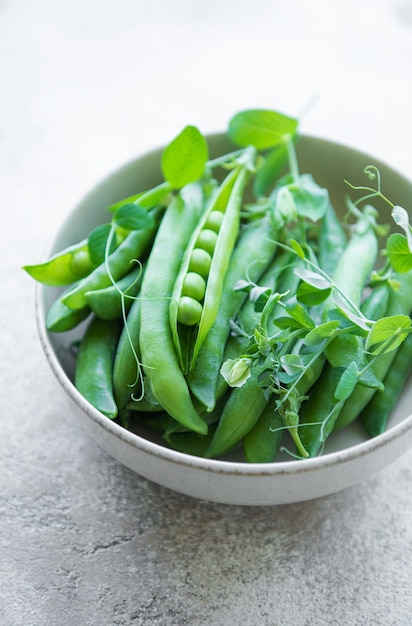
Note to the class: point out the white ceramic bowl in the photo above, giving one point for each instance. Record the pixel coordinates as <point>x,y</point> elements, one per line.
<point>349,457</point>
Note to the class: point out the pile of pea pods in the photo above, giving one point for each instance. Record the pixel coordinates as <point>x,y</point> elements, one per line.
<point>229,308</point>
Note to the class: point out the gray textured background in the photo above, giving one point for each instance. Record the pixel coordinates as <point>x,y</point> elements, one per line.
<point>84,86</point>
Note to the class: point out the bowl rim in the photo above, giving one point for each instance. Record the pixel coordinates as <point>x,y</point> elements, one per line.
<point>156,450</point>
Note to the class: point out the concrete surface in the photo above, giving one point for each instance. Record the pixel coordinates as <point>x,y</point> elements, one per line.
<point>84,86</point>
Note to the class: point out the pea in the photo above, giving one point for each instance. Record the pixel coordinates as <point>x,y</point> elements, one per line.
<point>200,262</point>
<point>81,262</point>
<point>214,220</point>
<point>194,286</point>
<point>207,240</point>
<point>189,312</point>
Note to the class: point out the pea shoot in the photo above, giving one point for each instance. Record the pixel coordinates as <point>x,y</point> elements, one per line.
<point>228,306</point>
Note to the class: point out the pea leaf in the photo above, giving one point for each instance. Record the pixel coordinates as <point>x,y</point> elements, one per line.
<point>399,253</point>
<point>391,330</point>
<point>97,241</point>
<point>285,321</point>
<point>401,218</point>
<point>242,285</point>
<point>311,200</point>
<point>310,296</point>
<point>295,245</point>
<point>298,313</point>
<point>259,296</point>
<point>285,378</point>
<point>321,332</point>
<point>292,364</point>
<point>347,382</point>
<point>284,206</point>
<point>184,159</point>
<point>261,128</point>
<point>348,312</point>
<point>313,278</point>
<point>133,217</point>
<point>369,379</point>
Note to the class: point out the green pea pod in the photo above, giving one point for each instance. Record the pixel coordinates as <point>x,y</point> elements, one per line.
<point>216,245</point>
<point>332,241</point>
<point>319,413</point>
<point>127,376</point>
<point>63,268</point>
<point>158,354</point>
<point>60,318</point>
<point>107,304</point>
<point>240,414</point>
<point>400,303</point>
<point>156,196</point>
<point>375,415</point>
<point>94,363</point>
<point>262,443</point>
<point>132,248</point>
<point>189,443</point>
<point>253,252</point>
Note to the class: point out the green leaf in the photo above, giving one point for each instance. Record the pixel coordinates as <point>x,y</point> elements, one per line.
<point>398,253</point>
<point>369,379</point>
<point>284,206</point>
<point>401,218</point>
<point>184,159</point>
<point>311,200</point>
<point>345,308</point>
<point>242,285</point>
<point>317,281</point>
<point>259,296</point>
<point>320,333</point>
<point>285,321</point>
<point>261,128</point>
<point>391,330</point>
<point>133,217</point>
<point>298,313</point>
<point>97,241</point>
<point>285,378</point>
<point>311,296</point>
<point>292,364</point>
<point>347,382</point>
<point>295,245</point>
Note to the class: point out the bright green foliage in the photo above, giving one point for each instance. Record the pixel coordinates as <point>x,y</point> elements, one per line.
<point>261,128</point>
<point>184,159</point>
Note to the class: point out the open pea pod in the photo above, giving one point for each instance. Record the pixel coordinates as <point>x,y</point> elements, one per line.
<point>63,268</point>
<point>199,284</point>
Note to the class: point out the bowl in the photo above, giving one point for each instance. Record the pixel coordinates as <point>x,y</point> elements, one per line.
<point>349,456</point>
